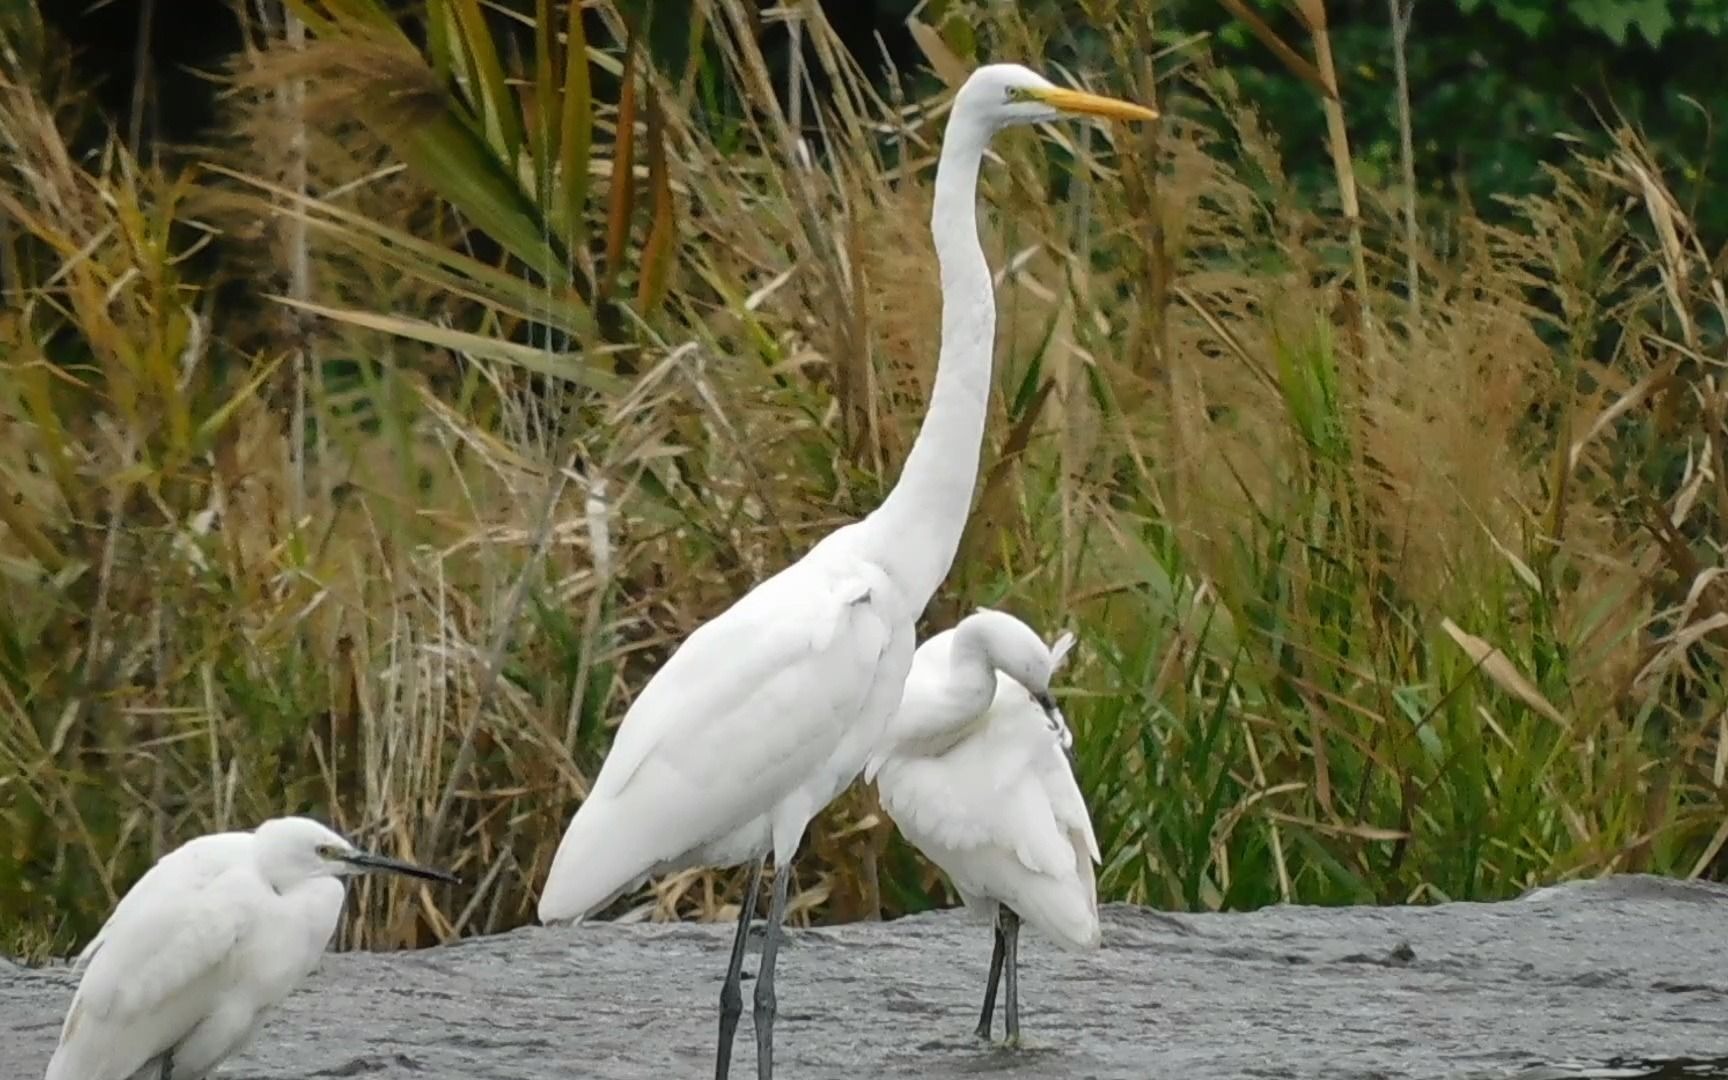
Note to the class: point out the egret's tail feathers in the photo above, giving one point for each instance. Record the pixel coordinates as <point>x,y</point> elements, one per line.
<point>596,863</point>
<point>570,898</point>
<point>1067,919</point>
<point>90,1059</point>
<point>58,1068</point>
<point>1063,909</point>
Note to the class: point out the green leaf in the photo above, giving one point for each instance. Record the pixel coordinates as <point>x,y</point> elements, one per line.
<point>449,156</point>
<point>487,90</point>
<point>571,366</point>
<point>1615,18</point>
<point>219,417</point>
<point>1528,16</point>
<point>464,149</point>
<point>576,135</point>
<point>434,263</point>
<point>543,136</point>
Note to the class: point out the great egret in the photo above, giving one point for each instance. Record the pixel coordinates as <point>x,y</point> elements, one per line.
<point>975,770</point>
<point>768,711</point>
<point>209,939</point>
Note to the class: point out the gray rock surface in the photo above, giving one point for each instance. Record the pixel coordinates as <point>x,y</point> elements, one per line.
<point>1562,982</point>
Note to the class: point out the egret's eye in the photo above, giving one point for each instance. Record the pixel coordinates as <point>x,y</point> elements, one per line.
<point>1018,93</point>
<point>327,851</point>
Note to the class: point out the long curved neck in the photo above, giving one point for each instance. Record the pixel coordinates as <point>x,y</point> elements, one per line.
<point>970,663</point>
<point>918,526</point>
<point>945,701</point>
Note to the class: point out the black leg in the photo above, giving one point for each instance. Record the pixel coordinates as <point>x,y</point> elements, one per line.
<point>984,1017</point>
<point>731,997</point>
<point>1011,960</point>
<point>765,1002</point>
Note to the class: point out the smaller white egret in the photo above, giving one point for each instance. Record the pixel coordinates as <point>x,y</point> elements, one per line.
<point>209,939</point>
<point>975,770</point>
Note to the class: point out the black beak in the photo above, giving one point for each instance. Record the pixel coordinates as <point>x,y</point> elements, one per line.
<point>379,864</point>
<point>1057,727</point>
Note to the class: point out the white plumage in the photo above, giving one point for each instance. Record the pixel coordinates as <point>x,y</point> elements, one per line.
<point>769,710</point>
<point>829,639</point>
<point>974,770</point>
<point>213,936</point>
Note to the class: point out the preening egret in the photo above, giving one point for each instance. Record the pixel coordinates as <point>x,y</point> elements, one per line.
<point>208,940</point>
<point>975,770</point>
<point>768,711</point>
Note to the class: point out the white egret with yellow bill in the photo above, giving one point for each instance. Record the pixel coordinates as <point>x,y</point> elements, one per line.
<point>769,710</point>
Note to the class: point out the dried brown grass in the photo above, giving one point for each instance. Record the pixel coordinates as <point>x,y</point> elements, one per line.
<point>1440,619</point>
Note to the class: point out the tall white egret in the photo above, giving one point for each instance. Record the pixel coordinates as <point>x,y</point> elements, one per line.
<point>976,772</point>
<point>209,939</point>
<point>768,711</point>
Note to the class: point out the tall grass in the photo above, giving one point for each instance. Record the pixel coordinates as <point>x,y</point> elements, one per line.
<point>1376,601</point>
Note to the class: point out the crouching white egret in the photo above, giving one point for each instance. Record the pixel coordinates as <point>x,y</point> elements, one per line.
<point>768,711</point>
<point>976,772</point>
<point>209,940</point>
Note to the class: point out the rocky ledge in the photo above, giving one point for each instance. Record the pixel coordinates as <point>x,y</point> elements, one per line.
<point>1622,977</point>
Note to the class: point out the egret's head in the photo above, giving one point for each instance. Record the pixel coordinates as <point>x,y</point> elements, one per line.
<point>1016,650</point>
<point>293,849</point>
<point>1003,95</point>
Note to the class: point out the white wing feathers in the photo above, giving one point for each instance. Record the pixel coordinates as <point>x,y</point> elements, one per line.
<point>1002,815</point>
<point>969,800</point>
<point>188,866</point>
<point>742,715</point>
<point>159,955</point>
<point>138,995</point>
<point>1062,789</point>
<point>775,647</point>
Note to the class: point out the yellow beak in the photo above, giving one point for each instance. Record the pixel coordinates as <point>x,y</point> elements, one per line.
<point>1077,101</point>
